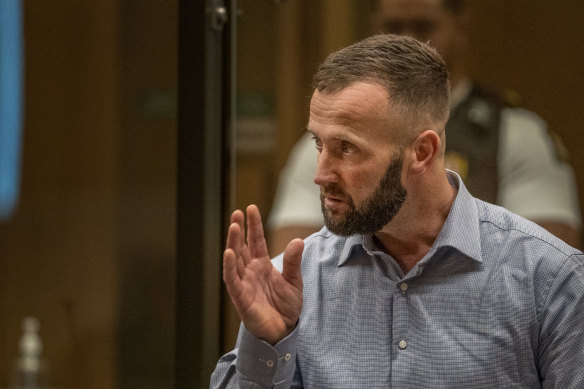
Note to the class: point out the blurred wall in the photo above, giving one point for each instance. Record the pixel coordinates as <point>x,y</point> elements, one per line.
<point>90,251</point>
<point>58,253</point>
<point>146,206</point>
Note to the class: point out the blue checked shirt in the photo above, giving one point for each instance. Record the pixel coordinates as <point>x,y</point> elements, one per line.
<point>497,302</point>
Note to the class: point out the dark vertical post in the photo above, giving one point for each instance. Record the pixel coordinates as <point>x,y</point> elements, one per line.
<point>203,125</point>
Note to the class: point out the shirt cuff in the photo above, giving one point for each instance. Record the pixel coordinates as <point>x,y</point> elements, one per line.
<point>265,364</point>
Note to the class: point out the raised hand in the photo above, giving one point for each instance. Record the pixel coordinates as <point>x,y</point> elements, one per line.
<point>268,303</point>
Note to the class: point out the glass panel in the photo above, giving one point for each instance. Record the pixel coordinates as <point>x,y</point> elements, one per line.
<point>90,248</point>
<point>146,194</point>
<point>279,44</point>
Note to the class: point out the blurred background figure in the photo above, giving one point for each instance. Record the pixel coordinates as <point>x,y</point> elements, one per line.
<point>504,153</point>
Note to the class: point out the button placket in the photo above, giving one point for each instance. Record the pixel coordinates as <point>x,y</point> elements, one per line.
<point>401,316</point>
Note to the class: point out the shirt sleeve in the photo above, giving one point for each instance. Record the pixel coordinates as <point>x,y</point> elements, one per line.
<point>257,364</point>
<point>534,181</point>
<point>297,199</point>
<point>561,347</point>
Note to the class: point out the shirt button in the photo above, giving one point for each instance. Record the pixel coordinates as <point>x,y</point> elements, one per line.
<point>402,344</point>
<point>269,363</point>
<point>287,357</point>
<point>403,286</point>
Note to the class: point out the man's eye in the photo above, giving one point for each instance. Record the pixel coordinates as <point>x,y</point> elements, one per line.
<point>318,143</point>
<point>347,148</point>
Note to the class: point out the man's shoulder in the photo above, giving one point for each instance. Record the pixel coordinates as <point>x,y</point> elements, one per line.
<point>326,249</point>
<point>321,246</point>
<point>503,228</point>
<point>324,243</point>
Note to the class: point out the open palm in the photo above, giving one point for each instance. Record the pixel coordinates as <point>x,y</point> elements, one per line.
<point>269,303</point>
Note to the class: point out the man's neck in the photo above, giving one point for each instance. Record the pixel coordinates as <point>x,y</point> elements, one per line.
<point>413,232</point>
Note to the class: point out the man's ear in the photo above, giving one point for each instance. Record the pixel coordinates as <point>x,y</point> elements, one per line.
<point>425,150</point>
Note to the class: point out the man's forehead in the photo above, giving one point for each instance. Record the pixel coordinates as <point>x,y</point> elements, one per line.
<point>361,111</point>
<point>353,90</point>
<point>358,100</point>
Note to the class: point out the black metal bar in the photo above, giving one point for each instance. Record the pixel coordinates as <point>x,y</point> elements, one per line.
<point>203,122</point>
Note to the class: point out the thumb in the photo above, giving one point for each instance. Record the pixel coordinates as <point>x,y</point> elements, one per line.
<point>292,260</point>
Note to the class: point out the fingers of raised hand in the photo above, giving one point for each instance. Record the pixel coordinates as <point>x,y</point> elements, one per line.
<point>230,273</point>
<point>255,233</point>
<point>239,249</point>
<point>237,217</point>
<point>292,260</point>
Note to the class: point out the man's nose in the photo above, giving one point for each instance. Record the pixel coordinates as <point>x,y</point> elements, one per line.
<point>325,169</point>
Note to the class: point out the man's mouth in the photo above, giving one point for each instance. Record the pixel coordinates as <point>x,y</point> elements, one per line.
<point>332,194</point>
<point>332,202</point>
<point>332,197</point>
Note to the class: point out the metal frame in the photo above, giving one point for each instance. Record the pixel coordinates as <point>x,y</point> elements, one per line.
<point>205,106</point>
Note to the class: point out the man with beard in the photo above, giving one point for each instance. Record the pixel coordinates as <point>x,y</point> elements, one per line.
<point>413,282</point>
<point>377,210</point>
<point>502,152</point>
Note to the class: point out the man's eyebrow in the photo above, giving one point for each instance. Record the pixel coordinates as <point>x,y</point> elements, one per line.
<point>335,137</point>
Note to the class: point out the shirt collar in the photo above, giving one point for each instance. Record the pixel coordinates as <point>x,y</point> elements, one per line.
<point>350,243</point>
<point>460,230</point>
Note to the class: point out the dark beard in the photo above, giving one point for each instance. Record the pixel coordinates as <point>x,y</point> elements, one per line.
<point>375,212</point>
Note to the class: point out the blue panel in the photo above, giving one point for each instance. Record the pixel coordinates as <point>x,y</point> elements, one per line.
<point>10,104</point>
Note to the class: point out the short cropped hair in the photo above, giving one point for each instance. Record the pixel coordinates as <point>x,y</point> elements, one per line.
<point>413,74</point>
